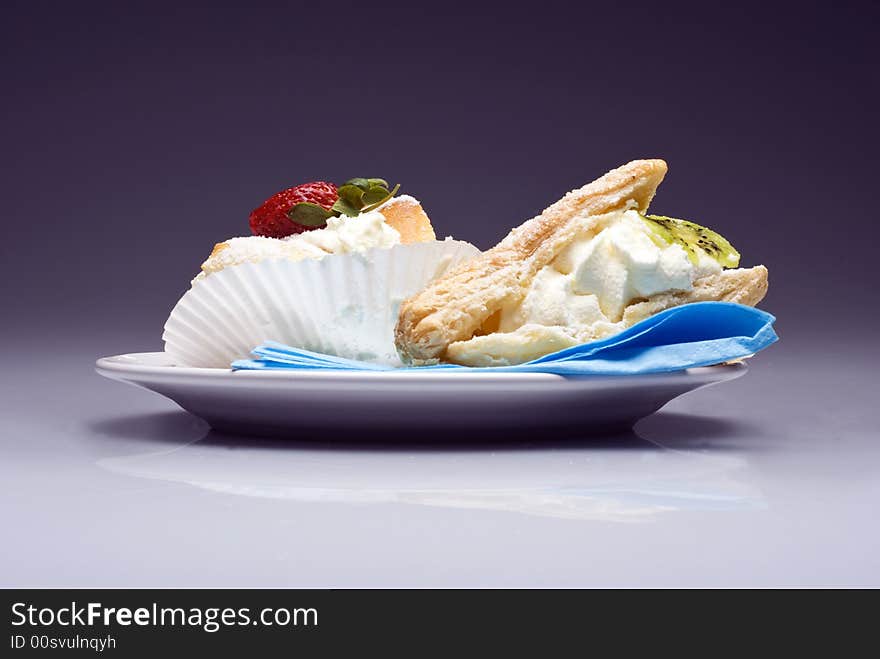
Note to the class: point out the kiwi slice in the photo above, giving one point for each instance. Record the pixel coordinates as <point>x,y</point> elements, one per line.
<point>692,236</point>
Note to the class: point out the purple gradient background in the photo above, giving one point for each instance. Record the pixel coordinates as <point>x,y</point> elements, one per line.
<point>135,137</point>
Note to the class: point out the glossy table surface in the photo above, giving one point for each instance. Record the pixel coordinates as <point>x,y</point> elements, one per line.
<point>769,480</point>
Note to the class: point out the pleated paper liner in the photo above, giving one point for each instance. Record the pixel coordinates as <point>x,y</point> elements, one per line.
<point>343,305</point>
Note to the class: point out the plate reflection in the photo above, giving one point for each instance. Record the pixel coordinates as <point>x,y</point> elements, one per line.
<point>622,479</point>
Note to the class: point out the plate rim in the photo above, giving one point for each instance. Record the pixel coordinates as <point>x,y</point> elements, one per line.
<point>122,365</point>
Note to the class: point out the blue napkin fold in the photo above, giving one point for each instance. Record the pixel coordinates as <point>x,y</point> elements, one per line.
<point>697,334</point>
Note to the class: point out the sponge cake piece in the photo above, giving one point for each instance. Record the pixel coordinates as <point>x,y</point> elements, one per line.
<point>405,214</point>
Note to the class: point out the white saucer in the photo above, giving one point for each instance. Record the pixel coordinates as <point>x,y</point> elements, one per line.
<point>451,404</point>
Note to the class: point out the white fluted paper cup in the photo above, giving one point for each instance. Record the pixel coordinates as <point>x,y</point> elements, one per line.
<point>345,304</point>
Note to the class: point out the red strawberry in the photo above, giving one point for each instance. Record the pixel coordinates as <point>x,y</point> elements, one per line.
<point>271,219</point>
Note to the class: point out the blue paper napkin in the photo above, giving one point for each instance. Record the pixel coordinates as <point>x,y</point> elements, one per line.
<point>698,334</point>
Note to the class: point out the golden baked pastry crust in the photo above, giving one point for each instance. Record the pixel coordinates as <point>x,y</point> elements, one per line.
<point>455,307</point>
<point>453,319</point>
<point>744,286</point>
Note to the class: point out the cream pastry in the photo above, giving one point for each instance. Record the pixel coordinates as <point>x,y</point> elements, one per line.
<point>586,268</point>
<point>326,269</point>
<point>400,220</point>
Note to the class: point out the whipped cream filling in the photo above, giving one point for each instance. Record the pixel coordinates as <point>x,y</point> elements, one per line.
<point>342,235</point>
<point>609,266</point>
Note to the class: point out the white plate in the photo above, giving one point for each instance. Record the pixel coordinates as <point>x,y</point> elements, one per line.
<point>410,403</point>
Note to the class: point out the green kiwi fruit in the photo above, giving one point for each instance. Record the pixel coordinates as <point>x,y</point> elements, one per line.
<point>692,236</point>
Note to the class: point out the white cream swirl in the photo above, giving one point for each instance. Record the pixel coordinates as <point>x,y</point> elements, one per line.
<point>600,273</point>
<point>342,235</point>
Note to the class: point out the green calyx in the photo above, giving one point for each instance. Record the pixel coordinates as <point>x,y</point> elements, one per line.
<point>356,196</point>
<point>309,215</point>
<point>361,195</point>
<point>693,238</point>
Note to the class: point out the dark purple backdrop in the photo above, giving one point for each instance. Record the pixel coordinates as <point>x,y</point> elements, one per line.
<point>134,137</point>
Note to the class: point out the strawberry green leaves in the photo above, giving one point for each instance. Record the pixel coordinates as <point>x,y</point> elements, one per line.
<point>309,215</point>
<point>361,195</point>
<point>356,196</point>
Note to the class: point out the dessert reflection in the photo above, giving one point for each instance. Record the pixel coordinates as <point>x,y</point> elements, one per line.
<point>625,478</point>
